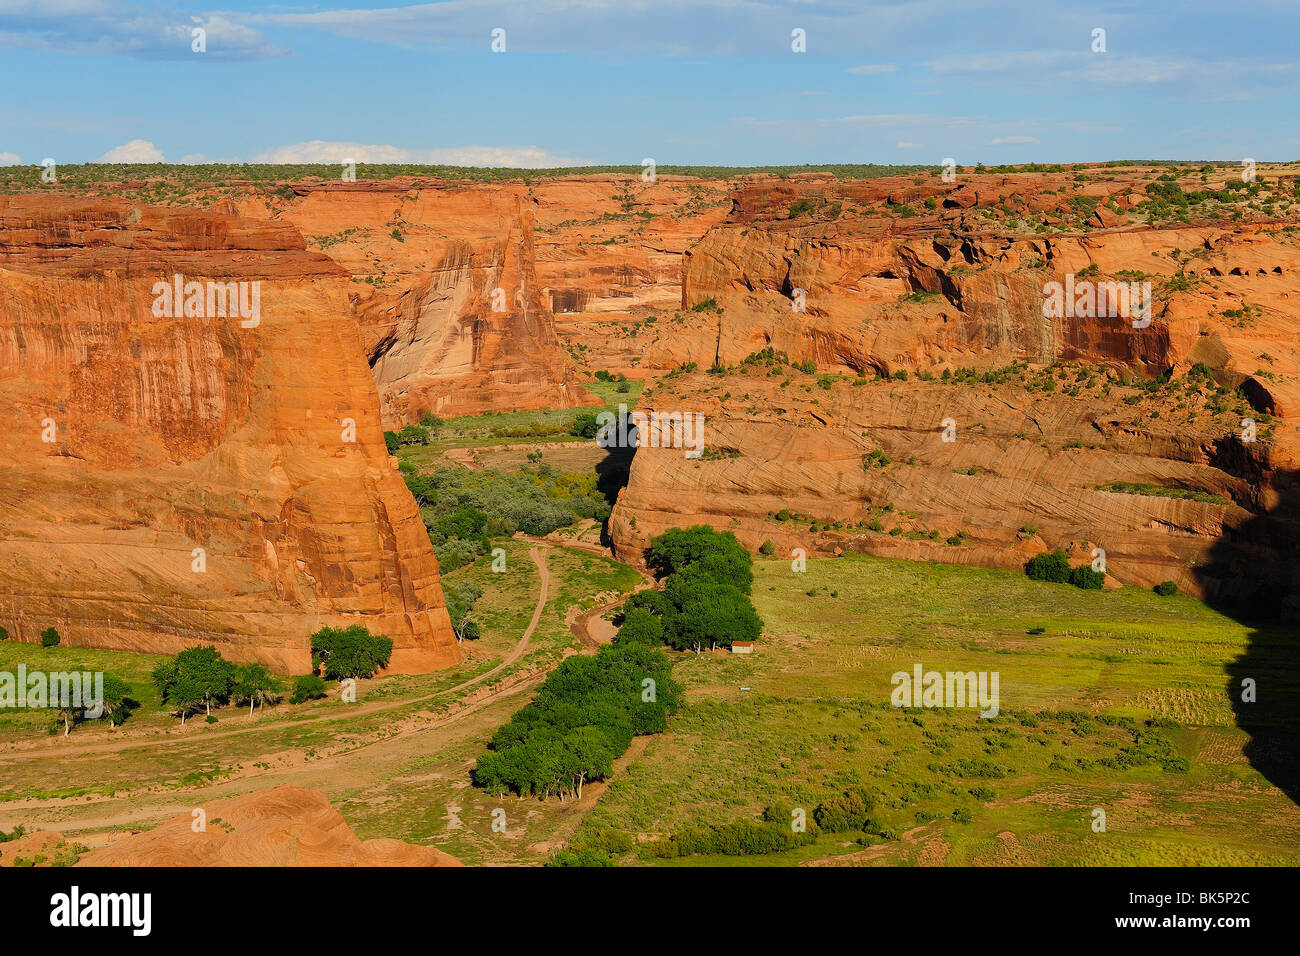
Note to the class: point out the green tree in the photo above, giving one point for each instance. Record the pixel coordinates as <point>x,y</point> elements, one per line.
<point>461,597</point>
<point>350,652</point>
<point>1086,578</point>
<point>256,685</point>
<point>716,553</point>
<point>116,703</point>
<point>706,612</point>
<point>640,627</point>
<point>49,637</point>
<point>585,425</point>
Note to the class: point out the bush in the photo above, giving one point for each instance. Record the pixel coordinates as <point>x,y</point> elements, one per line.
<point>1166,588</point>
<point>350,652</point>
<point>1052,566</point>
<point>307,687</point>
<point>1088,579</point>
<point>585,425</point>
<point>767,548</point>
<point>49,637</point>
<point>580,858</point>
<point>849,811</point>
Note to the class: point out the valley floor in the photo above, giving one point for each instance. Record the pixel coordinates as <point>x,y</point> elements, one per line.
<point>804,717</point>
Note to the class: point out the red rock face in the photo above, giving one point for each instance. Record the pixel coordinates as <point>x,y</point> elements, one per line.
<point>174,480</point>
<point>888,299</point>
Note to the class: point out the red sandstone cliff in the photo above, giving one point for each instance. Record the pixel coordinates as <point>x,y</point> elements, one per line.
<point>134,439</point>
<point>891,302</point>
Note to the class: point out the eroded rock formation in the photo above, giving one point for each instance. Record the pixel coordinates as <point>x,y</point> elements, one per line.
<point>882,304</point>
<point>173,479</point>
<point>283,826</point>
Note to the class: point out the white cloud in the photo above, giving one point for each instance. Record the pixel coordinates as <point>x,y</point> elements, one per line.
<point>9,159</point>
<point>103,27</point>
<point>1011,140</point>
<point>871,69</point>
<point>136,151</point>
<point>319,151</point>
<point>903,144</point>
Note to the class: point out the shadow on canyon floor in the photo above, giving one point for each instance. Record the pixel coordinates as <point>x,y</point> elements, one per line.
<point>1251,576</point>
<point>612,473</point>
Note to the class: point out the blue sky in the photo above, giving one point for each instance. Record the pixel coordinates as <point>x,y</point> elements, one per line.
<point>712,82</point>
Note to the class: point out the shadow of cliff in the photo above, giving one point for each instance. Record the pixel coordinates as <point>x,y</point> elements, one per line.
<point>1251,576</point>
<point>612,473</point>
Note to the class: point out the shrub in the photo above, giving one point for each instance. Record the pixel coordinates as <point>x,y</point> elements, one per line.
<point>1051,566</point>
<point>1088,579</point>
<point>585,425</point>
<point>307,687</point>
<point>580,858</point>
<point>767,548</point>
<point>849,811</point>
<point>1166,588</point>
<point>49,637</point>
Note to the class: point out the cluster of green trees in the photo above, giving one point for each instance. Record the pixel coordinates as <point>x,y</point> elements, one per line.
<point>115,704</point>
<point>583,718</point>
<point>414,433</point>
<point>1054,566</point>
<point>707,576</point>
<point>201,677</point>
<point>465,509</point>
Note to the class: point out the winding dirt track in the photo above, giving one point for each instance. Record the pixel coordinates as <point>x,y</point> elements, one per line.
<point>524,681</point>
<point>178,737</point>
<point>172,801</point>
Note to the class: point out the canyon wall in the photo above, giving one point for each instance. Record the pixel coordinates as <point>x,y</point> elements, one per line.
<point>848,451</point>
<point>195,478</point>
